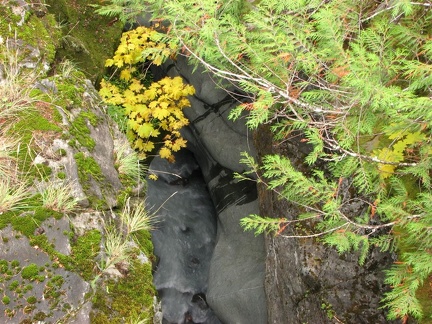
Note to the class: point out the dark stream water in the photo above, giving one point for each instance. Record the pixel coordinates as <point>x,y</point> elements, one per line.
<point>184,238</point>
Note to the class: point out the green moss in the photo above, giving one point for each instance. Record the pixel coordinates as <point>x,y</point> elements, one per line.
<point>128,296</point>
<point>30,123</point>
<point>87,169</point>
<point>27,288</point>
<point>88,39</point>
<point>61,175</point>
<point>15,263</point>
<point>84,251</point>
<point>81,260</point>
<point>44,171</point>
<point>13,285</point>
<point>40,316</point>
<point>30,272</point>
<point>6,300</point>
<point>61,152</point>
<point>37,32</point>
<point>64,260</point>
<point>5,219</point>
<point>31,300</point>
<point>27,223</point>
<point>144,241</point>
<point>70,90</point>
<point>31,120</point>
<point>80,130</point>
<point>4,266</point>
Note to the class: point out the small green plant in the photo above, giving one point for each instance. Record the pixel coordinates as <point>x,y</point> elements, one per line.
<point>31,300</point>
<point>30,272</point>
<point>126,10</point>
<point>6,300</point>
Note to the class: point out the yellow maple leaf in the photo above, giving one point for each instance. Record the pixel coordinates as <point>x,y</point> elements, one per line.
<point>153,177</point>
<point>158,60</point>
<point>165,153</point>
<point>145,130</point>
<point>178,144</point>
<point>125,74</point>
<point>150,94</point>
<point>160,113</point>
<point>128,59</point>
<point>133,124</point>
<point>139,144</point>
<point>148,146</point>
<point>136,85</point>
<point>105,92</point>
<point>109,62</point>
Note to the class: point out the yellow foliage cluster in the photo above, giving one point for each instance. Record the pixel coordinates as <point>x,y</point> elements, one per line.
<point>401,141</point>
<point>152,111</point>
<point>155,113</point>
<point>139,45</point>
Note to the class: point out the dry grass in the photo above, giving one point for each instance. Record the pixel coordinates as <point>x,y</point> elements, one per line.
<point>15,84</point>
<point>12,195</point>
<point>117,248</point>
<point>8,148</point>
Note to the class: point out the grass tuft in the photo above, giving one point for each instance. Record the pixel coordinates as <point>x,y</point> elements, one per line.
<point>12,195</point>
<point>8,165</point>
<point>117,249</point>
<point>136,218</point>
<point>58,196</point>
<point>128,162</point>
<point>15,85</point>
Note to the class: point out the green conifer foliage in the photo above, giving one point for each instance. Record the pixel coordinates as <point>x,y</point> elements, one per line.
<point>355,78</point>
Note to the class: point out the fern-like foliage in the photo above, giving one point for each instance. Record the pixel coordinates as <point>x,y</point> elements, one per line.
<point>125,10</point>
<point>260,224</point>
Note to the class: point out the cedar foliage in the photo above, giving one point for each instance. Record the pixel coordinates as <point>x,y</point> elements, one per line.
<point>354,77</point>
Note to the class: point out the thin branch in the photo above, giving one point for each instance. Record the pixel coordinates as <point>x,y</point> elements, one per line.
<point>364,157</point>
<point>317,234</point>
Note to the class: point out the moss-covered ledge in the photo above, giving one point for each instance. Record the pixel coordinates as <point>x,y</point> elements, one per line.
<point>87,38</point>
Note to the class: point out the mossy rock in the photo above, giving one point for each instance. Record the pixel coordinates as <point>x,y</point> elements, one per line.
<point>88,39</point>
<point>34,36</point>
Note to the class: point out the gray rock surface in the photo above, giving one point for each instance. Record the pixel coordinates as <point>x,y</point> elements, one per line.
<point>58,293</point>
<point>236,288</point>
<point>307,282</point>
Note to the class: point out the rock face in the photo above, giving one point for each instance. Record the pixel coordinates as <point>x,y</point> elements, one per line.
<point>307,282</point>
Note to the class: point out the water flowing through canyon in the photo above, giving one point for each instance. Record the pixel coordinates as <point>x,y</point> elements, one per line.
<point>184,238</point>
